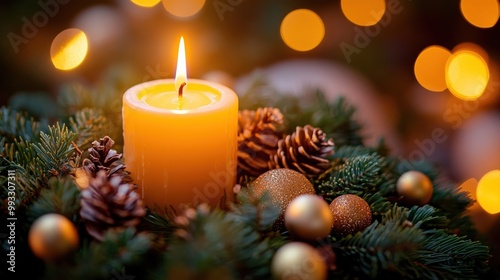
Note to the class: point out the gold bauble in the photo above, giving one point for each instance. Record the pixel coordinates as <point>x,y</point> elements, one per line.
<point>415,188</point>
<point>308,217</point>
<point>283,186</point>
<point>297,260</point>
<point>351,214</point>
<point>52,237</point>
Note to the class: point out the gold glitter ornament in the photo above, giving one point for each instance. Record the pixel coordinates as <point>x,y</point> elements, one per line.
<point>283,185</point>
<point>298,260</point>
<point>308,218</point>
<point>415,188</point>
<point>52,237</point>
<point>351,214</point>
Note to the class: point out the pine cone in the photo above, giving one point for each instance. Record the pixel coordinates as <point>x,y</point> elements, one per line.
<point>304,151</point>
<point>258,135</point>
<point>109,203</point>
<point>102,157</point>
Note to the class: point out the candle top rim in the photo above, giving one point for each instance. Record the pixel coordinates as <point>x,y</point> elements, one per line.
<point>227,96</point>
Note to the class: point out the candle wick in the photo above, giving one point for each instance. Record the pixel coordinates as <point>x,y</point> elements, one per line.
<point>180,89</point>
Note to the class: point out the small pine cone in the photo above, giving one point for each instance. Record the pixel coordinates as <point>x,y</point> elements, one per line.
<point>109,203</point>
<point>102,157</point>
<point>258,135</point>
<point>304,151</point>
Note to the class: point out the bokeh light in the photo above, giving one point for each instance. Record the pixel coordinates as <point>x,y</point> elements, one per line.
<point>467,75</point>
<point>183,8</point>
<point>480,13</point>
<point>363,12</point>
<point>146,3</point>
<point>470,186</point>
<point>488,192</point>
<point>430,68</point>
<point>68,49</point>
<point>302,30</point>
<point>469,46</point>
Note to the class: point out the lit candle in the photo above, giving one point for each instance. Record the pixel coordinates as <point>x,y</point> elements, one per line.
<point>180,140</point>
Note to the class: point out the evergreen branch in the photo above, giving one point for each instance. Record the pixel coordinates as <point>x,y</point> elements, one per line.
<point>120,253</point>
<point>450,198</point>
<point>56,150</point>
<point>337,119</point>
<point>379,205</point>
<point>381,249</point>
<point>21,154</point>
<point>160,226</point>
<point>76,96</point>
<point>210,242</point>
<point>61,196</point>
<point>346,152</point>
<point>15,125</point>
<point>26,187</point>
<point>359,175</point>
<point>89,125</point>
<point>257,213</point>
<point>21,157</point>
<point>452,256</point>
<point>426,217</point>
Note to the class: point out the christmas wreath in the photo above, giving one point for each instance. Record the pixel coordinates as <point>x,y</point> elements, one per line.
<point>313,201</point>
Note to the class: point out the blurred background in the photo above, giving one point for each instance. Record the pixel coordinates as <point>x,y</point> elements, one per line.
<point>423,74</point>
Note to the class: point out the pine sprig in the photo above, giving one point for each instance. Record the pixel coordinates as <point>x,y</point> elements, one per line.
<point>89,125</point>
<point>122,253</point>
<point>426,217</point>
<point>358,175</point>
<point>55,150</point>
<point>452,256</point>
<point>22,155</point>
<point>210,241</point>
<point>338,119</point>
<point>254,211</point>
<point>382,248</point>
<point>61,196</point>
<point>14,125</point>
<point>160,226</point>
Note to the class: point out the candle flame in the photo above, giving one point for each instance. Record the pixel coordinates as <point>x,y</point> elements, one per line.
<point>180,74</point>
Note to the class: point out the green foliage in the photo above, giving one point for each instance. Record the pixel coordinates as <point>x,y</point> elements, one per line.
<point>120,253</point>
<point>337,119</point>
<point>90,125</point>
<point>382,249</point>
<point>37,104</point>
<point>359,175</point>
<point>409,244</point>
<point>434,241</point>
<point>160,225</point>
<point>210,243</point>
<point>14,125</point>
<point>255,212</point>
<point>55,150</point>
<point>61,196</point>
